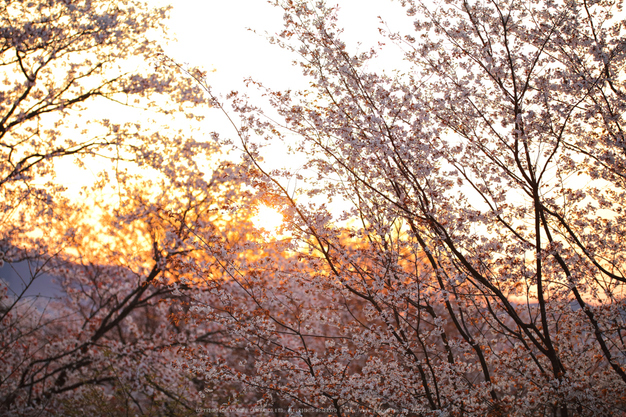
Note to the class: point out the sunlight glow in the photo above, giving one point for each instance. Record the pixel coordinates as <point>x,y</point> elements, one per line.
<point>267,218</point>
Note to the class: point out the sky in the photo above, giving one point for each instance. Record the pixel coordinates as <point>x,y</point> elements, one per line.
<point>228,36</point>
<point>229,40</point>
<point>215,34</point>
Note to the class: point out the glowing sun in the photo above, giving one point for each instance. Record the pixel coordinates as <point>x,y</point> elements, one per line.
<point>267,218</point>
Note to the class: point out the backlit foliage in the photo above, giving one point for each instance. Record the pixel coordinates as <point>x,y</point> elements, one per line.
<point>477,266</point>
<point>85,90</point>
<point>452,245</point>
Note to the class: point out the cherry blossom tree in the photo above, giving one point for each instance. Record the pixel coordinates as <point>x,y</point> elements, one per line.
<point>475,265</point>
<point>457,248</point>
<point>85,87</point>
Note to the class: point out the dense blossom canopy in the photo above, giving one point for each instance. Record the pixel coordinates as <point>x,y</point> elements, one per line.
<point>477,267</point>
<point>85,90</point>
<point>453,243</point>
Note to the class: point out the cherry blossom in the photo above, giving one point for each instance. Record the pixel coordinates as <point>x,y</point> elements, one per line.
<point>477,265</point>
